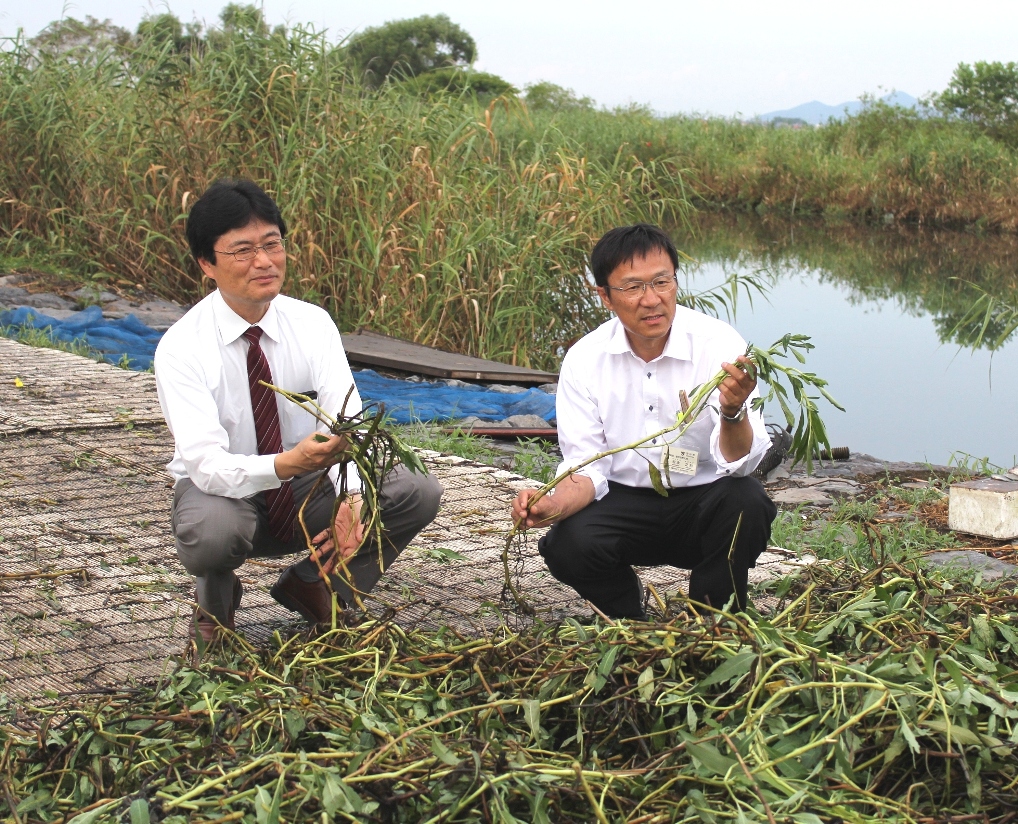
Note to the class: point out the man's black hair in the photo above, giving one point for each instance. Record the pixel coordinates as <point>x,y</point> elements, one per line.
<point>623,244</point>
<point>227,205</point>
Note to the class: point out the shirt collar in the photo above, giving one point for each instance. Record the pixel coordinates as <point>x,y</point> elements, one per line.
<point>679,345</point>
<point>231,325</point>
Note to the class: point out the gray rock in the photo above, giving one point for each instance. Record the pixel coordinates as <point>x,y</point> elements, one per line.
<point>799,496</point>
<point>56,314</point>
<point>504,389</point>
<point>528,422</point>
<point>968,559</point>
<point>42,300</point>
<point>474,422</point>
<point>12,294</point>
<point>90,295</point>
<point>550,388</point>
<point>861,465</point>
<point>159,314</point>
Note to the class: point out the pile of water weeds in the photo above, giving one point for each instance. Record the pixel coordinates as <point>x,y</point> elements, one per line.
<point>881,694</point>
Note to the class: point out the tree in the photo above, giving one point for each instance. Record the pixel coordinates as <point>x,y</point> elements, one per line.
<point>411,47</point>
<point>549,96</point>
<point>985,94</point>
<point>162,29</point>
<point>80,41</point>
<point>243,20</point>
<point>454,80</point>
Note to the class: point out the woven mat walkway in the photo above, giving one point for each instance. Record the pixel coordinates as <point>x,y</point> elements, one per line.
<point>91,592</point>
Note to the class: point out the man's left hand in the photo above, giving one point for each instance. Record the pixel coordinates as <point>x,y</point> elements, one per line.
<point>349,535</point>
<point>736,388</point>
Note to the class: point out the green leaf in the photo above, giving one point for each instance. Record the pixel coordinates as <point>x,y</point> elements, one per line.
<point>711,758</point>
<point>532,715</point>
<point>655,480</point>
<point>645,684</point>
<point>734,667</point>
<point>962,735</point>
<point>607,663</point>
<point>139,811</point>
<point>443,753</point>
<point>909,736</point>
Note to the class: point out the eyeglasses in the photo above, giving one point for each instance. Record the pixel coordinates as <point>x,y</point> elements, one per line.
<point>634,290</point>
<point>273,247</point>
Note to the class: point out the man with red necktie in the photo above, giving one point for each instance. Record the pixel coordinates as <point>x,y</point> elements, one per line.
<point>244,459</point>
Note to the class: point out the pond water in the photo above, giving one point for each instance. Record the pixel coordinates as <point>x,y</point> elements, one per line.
<point>879,305</point>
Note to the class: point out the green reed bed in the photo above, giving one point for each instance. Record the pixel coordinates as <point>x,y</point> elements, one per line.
<point>880,695</point>
<point>406,214</point>
<point>882,162</point>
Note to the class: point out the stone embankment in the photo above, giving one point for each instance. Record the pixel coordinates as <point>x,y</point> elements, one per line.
<point>28,290</point>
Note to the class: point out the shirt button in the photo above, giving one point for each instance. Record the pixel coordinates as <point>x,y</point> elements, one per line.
<point>654,441</point>
<point>648,374</point>
<point>652,409</point>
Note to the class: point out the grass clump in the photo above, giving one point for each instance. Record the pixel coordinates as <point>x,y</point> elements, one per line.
<point>44,338</point>
<point>879,695</point>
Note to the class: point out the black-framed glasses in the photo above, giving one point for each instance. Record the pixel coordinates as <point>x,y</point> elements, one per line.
<point>634,290</point>
<point>273,247</point>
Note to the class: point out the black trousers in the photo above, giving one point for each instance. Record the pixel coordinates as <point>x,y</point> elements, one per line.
<point>594,550</point>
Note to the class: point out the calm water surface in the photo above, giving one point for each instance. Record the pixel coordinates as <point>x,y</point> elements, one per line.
<point>908,394</point>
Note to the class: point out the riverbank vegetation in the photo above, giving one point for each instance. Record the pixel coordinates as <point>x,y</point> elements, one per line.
<point>428,207</point>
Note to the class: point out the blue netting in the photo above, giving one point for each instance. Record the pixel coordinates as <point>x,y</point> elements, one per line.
<point>404,400</point>
<point>409,400</point>
<point>113,339</point>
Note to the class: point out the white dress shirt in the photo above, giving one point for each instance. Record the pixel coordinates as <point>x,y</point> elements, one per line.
<point>201,375</point>
<point>609,397</point>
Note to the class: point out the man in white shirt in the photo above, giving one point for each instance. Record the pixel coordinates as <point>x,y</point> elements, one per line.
<point>626,380</point>
<point>245,459</point>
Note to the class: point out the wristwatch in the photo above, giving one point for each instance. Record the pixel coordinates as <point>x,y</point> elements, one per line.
<point>738,417</point>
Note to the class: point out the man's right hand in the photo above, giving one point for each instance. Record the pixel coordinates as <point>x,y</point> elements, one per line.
<point>315,452</point>
<point>572,495</point>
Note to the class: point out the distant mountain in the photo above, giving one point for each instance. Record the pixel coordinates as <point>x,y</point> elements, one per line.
<point>816,112</point>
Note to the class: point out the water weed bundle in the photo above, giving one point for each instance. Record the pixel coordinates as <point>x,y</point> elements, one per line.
<point>405,213</point>
<point>880,695</point>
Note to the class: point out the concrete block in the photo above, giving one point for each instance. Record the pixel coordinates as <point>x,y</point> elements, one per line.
<point>985,507</point>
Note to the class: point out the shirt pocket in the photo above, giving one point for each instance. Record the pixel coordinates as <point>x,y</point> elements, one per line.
<point>697,437</point>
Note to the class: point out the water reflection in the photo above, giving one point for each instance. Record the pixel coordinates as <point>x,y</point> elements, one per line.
<point>881,305</point>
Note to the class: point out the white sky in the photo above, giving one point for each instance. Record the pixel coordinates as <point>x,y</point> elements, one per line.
<point>723,57</point>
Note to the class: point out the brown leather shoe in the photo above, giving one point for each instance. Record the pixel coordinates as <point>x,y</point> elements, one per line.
<point>312,600</point>
<point>209,628</point>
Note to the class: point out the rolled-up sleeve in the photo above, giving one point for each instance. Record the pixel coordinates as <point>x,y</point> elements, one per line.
<point>580,429</point>
<point>336,386</point>
<point>201,441</point>
<point>751,460</point>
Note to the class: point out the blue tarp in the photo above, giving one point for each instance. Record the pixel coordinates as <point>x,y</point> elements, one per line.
<point>404,400</point>
<point>113,339</point>
<point>425,401</point>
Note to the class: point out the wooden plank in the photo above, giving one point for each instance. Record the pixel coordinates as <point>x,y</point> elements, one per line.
<point>366,348</point>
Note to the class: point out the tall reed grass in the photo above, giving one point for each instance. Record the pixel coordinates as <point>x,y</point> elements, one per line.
<point>406,214</point>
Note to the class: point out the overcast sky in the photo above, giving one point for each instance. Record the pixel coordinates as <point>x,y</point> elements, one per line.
<point>681,56</point>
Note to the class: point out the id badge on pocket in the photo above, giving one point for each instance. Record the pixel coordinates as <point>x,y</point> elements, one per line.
<point>678,461</point>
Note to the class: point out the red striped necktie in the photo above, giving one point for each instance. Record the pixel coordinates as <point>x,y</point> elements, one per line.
<point>282,511</point>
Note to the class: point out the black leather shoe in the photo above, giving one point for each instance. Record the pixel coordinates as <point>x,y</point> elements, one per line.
<point>312,599</point>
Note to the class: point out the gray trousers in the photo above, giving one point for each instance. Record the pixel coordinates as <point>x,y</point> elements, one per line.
<point>215,535</point>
